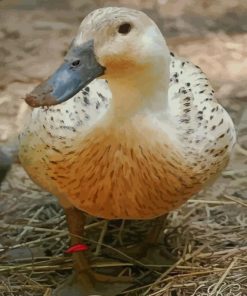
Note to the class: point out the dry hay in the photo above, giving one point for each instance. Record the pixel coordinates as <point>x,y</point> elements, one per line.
<point>207,237</point>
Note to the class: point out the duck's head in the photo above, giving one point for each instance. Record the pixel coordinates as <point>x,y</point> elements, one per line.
<point>116,44</point>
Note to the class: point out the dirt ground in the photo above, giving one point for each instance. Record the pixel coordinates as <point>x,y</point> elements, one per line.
<point>208,235</point>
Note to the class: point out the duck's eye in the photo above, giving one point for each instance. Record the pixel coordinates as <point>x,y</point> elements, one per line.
<point>124,28</point>
<point>76,63</point>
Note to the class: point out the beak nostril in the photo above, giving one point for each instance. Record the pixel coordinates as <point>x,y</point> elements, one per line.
<point>76,63</point>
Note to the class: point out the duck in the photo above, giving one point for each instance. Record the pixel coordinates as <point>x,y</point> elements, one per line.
<point>123,129</point>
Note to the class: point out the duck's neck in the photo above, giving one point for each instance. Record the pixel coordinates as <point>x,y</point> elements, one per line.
<point>146,91</point>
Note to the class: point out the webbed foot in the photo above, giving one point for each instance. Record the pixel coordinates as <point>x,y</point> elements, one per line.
<point>97,284</point>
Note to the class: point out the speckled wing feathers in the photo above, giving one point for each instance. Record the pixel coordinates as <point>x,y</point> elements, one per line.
<point>203,126</point>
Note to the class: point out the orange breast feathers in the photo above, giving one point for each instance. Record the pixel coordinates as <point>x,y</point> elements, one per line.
<point>117,176</point>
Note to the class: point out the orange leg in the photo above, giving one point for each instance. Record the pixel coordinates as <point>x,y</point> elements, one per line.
<point>76,221</point>
<point>153,235</point>
<point>85,281</point>
<point>151,240</point>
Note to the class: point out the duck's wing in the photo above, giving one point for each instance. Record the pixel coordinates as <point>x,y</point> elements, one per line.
<point>75,116</point>
<point>92,102</point>
<point>200,120</point>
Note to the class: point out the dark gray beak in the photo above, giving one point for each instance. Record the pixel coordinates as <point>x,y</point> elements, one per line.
<point>78,70</point>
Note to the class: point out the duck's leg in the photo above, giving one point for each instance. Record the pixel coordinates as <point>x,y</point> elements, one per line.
<point>151,239</point>
<point>150,242</point>
<point>84,281</point>
<point>76,222</point>
<point>154,233</point>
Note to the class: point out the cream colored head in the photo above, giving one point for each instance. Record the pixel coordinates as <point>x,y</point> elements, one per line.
<point>124,40</point>
<point>121,45</point>
<point>134,53</point>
